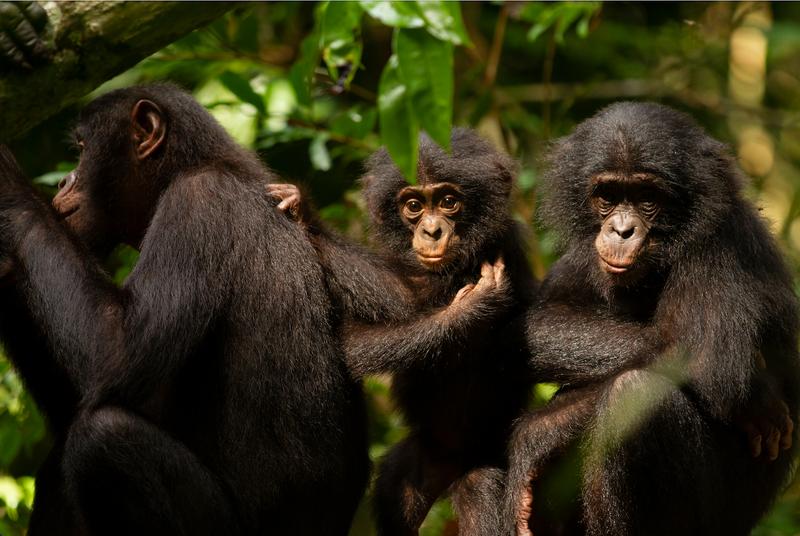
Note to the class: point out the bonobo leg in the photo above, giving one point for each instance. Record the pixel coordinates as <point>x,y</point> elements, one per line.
<point>477,501</point>
<point>409,481</point>
<point>656,465</point>
<point>538,437</point>
<point>53,513</point>
<point>130,478</point>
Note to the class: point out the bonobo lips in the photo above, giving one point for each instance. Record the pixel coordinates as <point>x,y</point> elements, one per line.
<point>67,213</point>
<point>430,259</point>
<point>616,267</point>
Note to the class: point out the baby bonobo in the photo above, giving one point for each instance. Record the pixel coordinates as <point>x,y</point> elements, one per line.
<point>672,323</point>
<point>457,360</point>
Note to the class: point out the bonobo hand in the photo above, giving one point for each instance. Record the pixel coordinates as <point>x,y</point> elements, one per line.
<point>766,420</point>
<point>492,285</point>
<point>21,27</point>
<point>291,201</point>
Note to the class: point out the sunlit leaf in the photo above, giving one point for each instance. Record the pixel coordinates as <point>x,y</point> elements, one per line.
<point>318,151</point>
<point>240,86</point>
<point>443,20</point>
<point>398,127</point>
<point>426,68</point>
<point>393,13</point>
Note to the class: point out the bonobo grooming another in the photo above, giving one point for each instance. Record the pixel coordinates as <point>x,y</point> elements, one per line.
<point>207,395</point>
<point>672,324</point>
<point>458,364</point>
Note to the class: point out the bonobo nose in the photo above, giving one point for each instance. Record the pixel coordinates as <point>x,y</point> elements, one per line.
<point>623,226</point>
<point>431,229</point>
<point>435,233</point>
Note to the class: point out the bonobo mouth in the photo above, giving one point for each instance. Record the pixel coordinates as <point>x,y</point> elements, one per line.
<point>67,213</point>
<point>430,260</point>
<point>615,266</point>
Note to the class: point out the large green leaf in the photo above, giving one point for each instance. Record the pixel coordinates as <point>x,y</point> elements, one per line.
<point>399,129</point>
<point>443,20</point>
<point>340,38</point>
<point>302,72</point>
<point>393,13</point>
<point>426,68</point>
<point>240,86</point>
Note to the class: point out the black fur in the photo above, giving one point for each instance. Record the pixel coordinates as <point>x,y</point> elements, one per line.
<point>208,395</point>
<point>658,372</point>
<point>458,376</point>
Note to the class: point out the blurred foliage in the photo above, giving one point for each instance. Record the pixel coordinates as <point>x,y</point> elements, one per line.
<point>315,87</point>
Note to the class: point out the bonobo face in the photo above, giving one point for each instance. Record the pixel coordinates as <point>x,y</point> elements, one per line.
<point>628,206</point>
<point>431,213</point>
<point>104,201</point>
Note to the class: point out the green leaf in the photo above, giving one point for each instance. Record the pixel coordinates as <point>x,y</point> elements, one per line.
<point>443,21</point>
<point>340,39</point>
<point>426,68</point>
<point>393,13</point>
<point>302,72</point>
<point>399,129</point>
<point>320,158</point>
<point>356,122</point>
<point>240,86</point>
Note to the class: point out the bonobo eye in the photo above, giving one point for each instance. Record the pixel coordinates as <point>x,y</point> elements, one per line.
<point>412,207</point>
<point>648,208</point>
<point>450,203</point>
<point>604,205</point>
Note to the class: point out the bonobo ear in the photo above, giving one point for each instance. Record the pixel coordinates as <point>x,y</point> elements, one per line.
<point>149,127</point>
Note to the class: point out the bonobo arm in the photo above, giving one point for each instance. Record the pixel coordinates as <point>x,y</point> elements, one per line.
<point>391,348</point>
<point>574,340</point>
<point>365,287</point>
<point>121,342</point>
<point>720,309</point>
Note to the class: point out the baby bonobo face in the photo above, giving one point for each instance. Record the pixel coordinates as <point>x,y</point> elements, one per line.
<point>431,212</point>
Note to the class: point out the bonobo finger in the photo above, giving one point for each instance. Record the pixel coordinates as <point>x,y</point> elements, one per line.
<point>524,510</point>
<point>786,433</point>
<point>499,271</point>
<point>10,51</point>
<point>35,13</point>
<point>754,440</point>
<point>461,294</point>
<point>773,444</point>
<point>27,38</point>
<point>10,15</point>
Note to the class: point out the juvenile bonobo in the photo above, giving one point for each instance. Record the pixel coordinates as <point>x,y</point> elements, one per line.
<point>209,394</point>
<point>671,322</point>
<point>457,361</point>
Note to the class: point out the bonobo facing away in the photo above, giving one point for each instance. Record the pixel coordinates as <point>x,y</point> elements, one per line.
<point>208,394</point>
<point>458,364</point>
<point>672,325</point>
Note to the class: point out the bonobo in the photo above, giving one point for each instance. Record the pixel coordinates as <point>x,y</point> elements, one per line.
<point>209,394</point>
<point>457,361</point>
<point>672,325</point>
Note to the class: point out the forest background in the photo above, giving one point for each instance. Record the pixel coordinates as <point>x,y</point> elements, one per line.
<point>316,87</point>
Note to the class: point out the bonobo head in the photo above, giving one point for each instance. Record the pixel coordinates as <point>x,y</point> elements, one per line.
<point>133,142</point>
<point>635,186</point>
<point>456,211</point>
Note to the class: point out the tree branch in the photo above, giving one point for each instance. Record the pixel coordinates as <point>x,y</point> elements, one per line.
<point>92,42</point>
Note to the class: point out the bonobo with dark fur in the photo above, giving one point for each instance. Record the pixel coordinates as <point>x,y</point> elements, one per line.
<point>208,394</point>
<point>672,324</point>
<point>458,363</point>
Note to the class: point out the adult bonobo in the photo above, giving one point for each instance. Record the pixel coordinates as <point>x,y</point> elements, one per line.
<point>672,324</point>
<point>207,395</point>
<point>457,362</point>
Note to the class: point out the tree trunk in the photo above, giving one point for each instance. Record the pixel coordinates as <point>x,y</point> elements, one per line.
<point>91,43</point>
